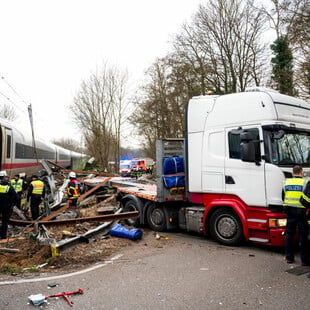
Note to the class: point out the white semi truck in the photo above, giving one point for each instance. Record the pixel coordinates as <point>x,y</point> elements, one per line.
<point>227,173</point>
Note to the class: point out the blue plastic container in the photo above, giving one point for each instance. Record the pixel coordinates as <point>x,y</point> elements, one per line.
<point>173,165</point>
<point>177,181</point>
<point>119,230</point>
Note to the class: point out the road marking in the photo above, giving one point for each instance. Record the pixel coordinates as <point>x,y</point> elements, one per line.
<point>64,275</point>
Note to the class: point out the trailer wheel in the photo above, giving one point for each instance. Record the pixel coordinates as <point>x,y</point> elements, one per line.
<point>226,227</point>
<point>156,218</point>
<point>131,206</point>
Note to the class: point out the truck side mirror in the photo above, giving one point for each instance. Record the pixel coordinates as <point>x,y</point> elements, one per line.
<point>246,137</point>
<point>248,147</point>
<point>247,151</point>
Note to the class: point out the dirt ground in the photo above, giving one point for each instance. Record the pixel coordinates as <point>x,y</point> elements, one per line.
<point>23,252</point>
<point>34,257</point>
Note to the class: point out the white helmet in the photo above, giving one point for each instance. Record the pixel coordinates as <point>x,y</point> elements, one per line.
<point>3,173</point>
<point>72,175</point>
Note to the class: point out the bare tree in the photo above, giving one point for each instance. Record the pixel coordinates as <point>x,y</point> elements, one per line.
<point>98,109</point>
<point>69,144</point>
<point>219,52</point>
<point>299,36</point>
<point>291,20</point>
<point>7,112</point>
<point>192,55</point>
<point>283,15</point>
<point>159,111</point>
<point>223,44</point>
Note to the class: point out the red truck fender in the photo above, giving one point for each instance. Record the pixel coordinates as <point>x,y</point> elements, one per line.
<point>232,202</point>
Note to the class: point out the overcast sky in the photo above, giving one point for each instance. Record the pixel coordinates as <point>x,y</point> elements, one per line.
<point>49,47</point>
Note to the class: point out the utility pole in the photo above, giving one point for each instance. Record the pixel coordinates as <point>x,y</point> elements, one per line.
<point>32,131</point>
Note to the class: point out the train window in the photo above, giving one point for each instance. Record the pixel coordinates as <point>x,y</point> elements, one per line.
<point>8,146</point>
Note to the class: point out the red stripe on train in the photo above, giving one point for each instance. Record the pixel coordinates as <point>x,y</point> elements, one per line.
<point>25,165</point>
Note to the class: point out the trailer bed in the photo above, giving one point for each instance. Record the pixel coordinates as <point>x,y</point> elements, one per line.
<point>127,185</point>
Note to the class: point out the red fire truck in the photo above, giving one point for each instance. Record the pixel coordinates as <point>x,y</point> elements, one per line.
<point>143,165</point>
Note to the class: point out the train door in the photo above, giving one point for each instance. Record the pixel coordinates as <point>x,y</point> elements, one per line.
<point>7,151</point>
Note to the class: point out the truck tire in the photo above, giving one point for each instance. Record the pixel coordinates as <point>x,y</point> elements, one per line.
<point>226,227</point>
<point>156,218</point>
<point>130,206</point>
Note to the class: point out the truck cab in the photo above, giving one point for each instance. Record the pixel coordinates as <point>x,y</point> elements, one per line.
<point>240,148</point>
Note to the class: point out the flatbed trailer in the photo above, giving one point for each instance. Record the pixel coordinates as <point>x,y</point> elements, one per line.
<point>154,202</point>
<point>158,205</point>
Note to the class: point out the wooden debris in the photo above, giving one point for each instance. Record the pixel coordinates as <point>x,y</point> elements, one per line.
<point>93,189</point>
<point>102,218</point>
<point>8,250</point>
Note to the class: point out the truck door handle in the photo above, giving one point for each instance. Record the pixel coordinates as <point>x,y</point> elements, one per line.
<point>229,179</point>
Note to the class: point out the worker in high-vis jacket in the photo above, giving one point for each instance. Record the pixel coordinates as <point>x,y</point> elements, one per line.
<point>36,193</point>
<point>17,184</point>
<point>8,199</point>
<point>296,203</point>
<point>72,190</point>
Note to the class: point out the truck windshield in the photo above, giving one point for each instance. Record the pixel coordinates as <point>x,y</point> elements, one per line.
<point>289,147</point>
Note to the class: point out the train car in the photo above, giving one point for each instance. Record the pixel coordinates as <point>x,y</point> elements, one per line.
<point>19,155</point>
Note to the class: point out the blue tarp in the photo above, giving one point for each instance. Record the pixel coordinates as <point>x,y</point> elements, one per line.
<point>119,230</point>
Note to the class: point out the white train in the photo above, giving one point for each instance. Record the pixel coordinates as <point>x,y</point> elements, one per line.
<point>17,151</point>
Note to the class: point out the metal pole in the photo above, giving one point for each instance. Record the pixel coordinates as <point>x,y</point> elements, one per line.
<point>32,131</point>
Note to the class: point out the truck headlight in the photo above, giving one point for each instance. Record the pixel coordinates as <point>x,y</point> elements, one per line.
<point>275,223</point>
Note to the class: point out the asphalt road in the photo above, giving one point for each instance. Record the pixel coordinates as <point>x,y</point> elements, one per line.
<point>179,272</point>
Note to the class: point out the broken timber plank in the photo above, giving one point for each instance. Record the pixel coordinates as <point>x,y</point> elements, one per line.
<point>93,189</point>
<point>47,218</point>
<point>103,202</point>
<point>9,250</point>
<point>64,208</point>
<point>53,214</point>
<point>103,228</point>
<point>54,164</point>
<point>91,172</point>
<point>103,218</point>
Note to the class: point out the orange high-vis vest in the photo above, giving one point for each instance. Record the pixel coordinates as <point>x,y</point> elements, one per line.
<point>74,189</point>
<point>37,187</point>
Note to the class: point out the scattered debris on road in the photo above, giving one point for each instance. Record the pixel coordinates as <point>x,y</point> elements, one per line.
<point>39,299</point>
<point>60,236</point>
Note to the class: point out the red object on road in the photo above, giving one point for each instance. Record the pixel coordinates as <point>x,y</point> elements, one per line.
<point>38,299</point>
<point>65,295</point>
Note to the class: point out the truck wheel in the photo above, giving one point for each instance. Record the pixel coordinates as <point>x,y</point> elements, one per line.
<point>131,206</point>
<point>156,218</point>
<point>226,227</point>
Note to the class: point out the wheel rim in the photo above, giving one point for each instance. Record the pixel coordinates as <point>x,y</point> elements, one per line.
<point>130,208</point>
<point>157,217</point>
<point>226,227</point>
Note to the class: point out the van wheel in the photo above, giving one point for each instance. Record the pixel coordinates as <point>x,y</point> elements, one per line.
<point>156,218</point>
<point>226,227</point>
<point>131,206</point>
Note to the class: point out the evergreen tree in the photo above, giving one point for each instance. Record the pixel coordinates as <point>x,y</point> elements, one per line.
<point>282,66</point>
